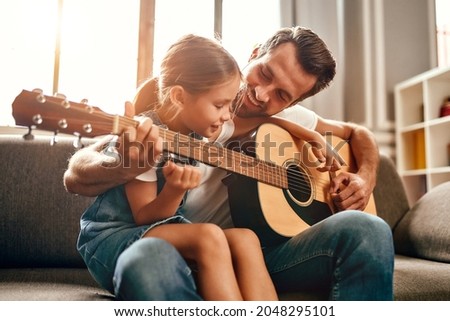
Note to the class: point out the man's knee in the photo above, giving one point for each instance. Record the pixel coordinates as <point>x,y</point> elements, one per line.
<point>366,224</point>
<point>151,269</point>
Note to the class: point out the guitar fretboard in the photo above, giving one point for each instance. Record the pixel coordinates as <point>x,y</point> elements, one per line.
<point>230,160</point>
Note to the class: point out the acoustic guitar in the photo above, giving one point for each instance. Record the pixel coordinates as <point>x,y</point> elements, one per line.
<point>296,196</point>
<point>275,188</point>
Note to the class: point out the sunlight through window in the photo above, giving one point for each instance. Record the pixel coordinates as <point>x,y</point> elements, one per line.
<point>99,43</point>
<point>27,35</point>
<point>247,23</point>
<point>99,51</point>
<point>98,58</point>
<point>175,18</point>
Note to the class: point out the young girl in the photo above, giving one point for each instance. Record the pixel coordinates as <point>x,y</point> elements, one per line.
<point>197,85</point>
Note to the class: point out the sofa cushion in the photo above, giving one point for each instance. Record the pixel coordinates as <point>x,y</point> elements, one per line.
<point>423,231</point>
<point>419,280</point>
<point>53,284</point>
<point>40,220</point>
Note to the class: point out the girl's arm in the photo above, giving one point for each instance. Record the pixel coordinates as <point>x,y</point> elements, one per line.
<point>147,206</point>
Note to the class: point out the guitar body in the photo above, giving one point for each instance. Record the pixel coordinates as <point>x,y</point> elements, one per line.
<point>274,213</point>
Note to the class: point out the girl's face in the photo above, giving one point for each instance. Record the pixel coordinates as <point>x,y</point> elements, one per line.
<point>206,112</point>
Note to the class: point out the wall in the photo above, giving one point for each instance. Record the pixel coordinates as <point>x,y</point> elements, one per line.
<point>377,44</point>
<point>323,17</point>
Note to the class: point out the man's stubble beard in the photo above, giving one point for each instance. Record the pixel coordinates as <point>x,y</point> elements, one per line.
<point>241,109</point>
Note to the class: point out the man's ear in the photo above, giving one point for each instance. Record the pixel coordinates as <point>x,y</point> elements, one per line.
<point>254,52</point>
<point>177,96</point>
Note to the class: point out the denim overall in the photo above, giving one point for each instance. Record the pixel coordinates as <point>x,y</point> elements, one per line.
<point>108,228</point>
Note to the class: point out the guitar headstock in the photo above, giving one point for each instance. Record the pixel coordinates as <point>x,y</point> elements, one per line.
<point>33,109</point>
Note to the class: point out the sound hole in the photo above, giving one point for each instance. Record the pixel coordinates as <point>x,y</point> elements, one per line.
<point>299,183</point>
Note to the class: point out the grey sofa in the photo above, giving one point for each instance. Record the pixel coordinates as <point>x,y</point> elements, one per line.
<point>40,222</point>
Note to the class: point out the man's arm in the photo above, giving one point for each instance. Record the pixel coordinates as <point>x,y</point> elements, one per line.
<point>359,186</point>
<point>91,172</point>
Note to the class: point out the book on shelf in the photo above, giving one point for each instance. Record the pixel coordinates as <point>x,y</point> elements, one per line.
<point>419,161</point>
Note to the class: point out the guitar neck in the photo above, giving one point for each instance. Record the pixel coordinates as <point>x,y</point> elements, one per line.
<point>35,110</point>
<point>217,156</point>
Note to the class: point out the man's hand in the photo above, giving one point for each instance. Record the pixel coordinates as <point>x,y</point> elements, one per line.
<point>350,192</point>
<point>91,172</point>
<point>139,147</point>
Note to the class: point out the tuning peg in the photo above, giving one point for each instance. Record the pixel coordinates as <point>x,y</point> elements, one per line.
<point>88,107</point>
<point>77,142</point>
<point>40,97</point>
<point>64,102</point>
<point>54,139</point>
<point>87,128</point>
<point>63,123</point>
<point>37,119</point>
<point>29,135</point>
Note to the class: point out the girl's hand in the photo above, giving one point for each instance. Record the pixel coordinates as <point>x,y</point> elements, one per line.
<point>181,177</point>
<point>323,151</point>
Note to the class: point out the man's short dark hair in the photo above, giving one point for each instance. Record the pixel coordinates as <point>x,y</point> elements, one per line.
<point>312,54</point>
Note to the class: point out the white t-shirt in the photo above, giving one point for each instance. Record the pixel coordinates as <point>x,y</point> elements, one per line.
<point>209,201</point>
<point>210,180</point>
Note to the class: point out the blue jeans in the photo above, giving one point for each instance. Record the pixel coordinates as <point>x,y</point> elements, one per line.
<point>124,263</point>
<point>152,269</point>
<point>349,255</point>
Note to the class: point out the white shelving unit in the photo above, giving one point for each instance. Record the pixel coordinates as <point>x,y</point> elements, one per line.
<point>422,136</point>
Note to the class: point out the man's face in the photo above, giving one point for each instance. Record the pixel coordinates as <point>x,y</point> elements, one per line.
<point>273,82</point>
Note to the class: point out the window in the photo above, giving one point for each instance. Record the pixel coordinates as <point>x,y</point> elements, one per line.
<point>98,51</point>
<point>247,23</point>
<point>25,27</point>
<point>175,18</point>
<point>241,27</point>
<point>99,43</point>
<point>443,32</point>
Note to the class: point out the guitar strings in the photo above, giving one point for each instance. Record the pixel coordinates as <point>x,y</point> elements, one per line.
<point>267,172</point>
<point>298,180</point>
<point>271,173</point>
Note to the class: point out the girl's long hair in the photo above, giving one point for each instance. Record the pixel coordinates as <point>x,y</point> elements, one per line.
<point>195,63</point>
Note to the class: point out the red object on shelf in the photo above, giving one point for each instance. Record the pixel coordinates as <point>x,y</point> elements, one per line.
<point>445,108</point>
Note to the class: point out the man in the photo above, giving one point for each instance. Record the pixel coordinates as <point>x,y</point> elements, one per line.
<point>348,255</point>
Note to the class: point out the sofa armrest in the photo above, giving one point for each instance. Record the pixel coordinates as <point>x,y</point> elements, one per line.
<point>389,194</point>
